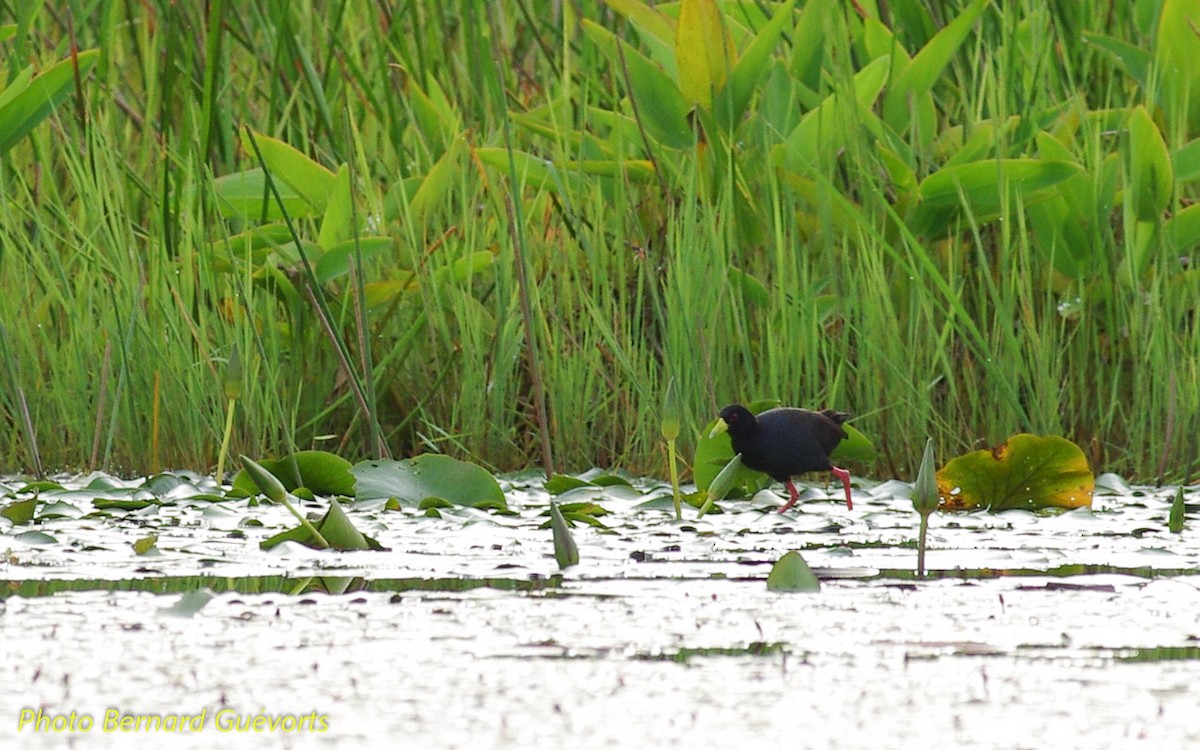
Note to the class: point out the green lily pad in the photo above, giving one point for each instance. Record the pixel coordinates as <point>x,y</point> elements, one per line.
<point>566,553</point>
<point>320,471</point>
<point>1029,471</point>
<point>145,544</point>
<point>21,511</point>
<point>430,475</point>
<point>189,604</point>
<point>335,526</point>
<point>791,573</point>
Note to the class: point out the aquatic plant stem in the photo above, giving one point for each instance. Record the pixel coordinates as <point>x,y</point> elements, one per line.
<point>921,545</point>
<point>674,479</point>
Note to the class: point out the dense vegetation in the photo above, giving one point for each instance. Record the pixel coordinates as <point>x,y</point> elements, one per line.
<point>961,220</point>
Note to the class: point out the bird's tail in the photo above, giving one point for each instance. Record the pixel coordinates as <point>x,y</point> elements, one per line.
<point>837,416</point>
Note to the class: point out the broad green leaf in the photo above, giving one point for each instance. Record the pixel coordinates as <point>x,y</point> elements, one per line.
<point>647,18</point>
<point>7,31</point>
<point>1185,162</point>
<point>59,510</point>
<point>1183,229</point>
<point>979,183</point>
<point>21,511</point>
<point>1133,59</point>
<point>748,288</point>
<point>916,80</point>
<point>441,178</point>
<point>145,544</point>
<point>1176,50</point>
<point>532,172</point>
<point>748,69</point>
<point>335,528</point>
<point>704,51</point>
<point>339,531</point>
<point>791,573</point>
<point>430,475</point>
<point>320,471</point>
<point>981,186</point>
<point>310,180</point>
<point>1028,472</point>
<point>1150,176</point>
<point>1176,515</point>
<point>560,483</point>
<point>464,269</point>
<point>244,195</point>
<point>101,503</point>
<point>660,106</point>
<point>34,538</point>
<point>433,113</point>
<point>336,262</point>
<point>24,107</point>
<point>337,224</point>
<point>566,553</point>
<point>823,131</point>
<point>808,42</point>
<point>854,447</point>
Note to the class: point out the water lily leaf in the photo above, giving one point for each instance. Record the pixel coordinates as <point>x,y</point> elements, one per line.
<point>21,511</point>
<point>336,528</point>
<point>1175,517</point>
<point>565,551</point>
<point>145,544</point>
<point>113,504</point>
<point>189,604</point>
<point>791,573</point>
<point>59,510</point>
<point>339,531</point>
<point>320,471</point>
<point>855,447</point>
<point>1029,471</point>
<point>35,538</point>
<point>430,475</point>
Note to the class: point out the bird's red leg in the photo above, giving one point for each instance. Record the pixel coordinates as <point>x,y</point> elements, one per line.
<point>845,477</point>
<point>795,497</point>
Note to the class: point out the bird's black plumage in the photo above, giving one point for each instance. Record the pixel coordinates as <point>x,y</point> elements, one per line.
<point>786,442</point>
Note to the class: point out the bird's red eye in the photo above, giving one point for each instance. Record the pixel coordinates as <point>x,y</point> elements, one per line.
<point>733,417</point>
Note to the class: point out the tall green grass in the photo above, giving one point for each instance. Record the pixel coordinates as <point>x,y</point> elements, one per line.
<point>117,309</point>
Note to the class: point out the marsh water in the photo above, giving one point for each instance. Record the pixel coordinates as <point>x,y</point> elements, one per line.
<point>1079,629</point>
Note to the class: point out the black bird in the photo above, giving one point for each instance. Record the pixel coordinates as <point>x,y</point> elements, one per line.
<point>785,442</point>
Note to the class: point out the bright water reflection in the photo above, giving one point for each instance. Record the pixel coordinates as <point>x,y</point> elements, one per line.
<point>663,635</point>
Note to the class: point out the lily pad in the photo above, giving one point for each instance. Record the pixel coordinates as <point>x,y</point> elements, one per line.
<point>21,511</point>
<point>335,527</point>
<point>430,475</point>
<point>791,573</point>
<point>566,553</point>
<point>1029,471</point>
<point>320,471</point>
